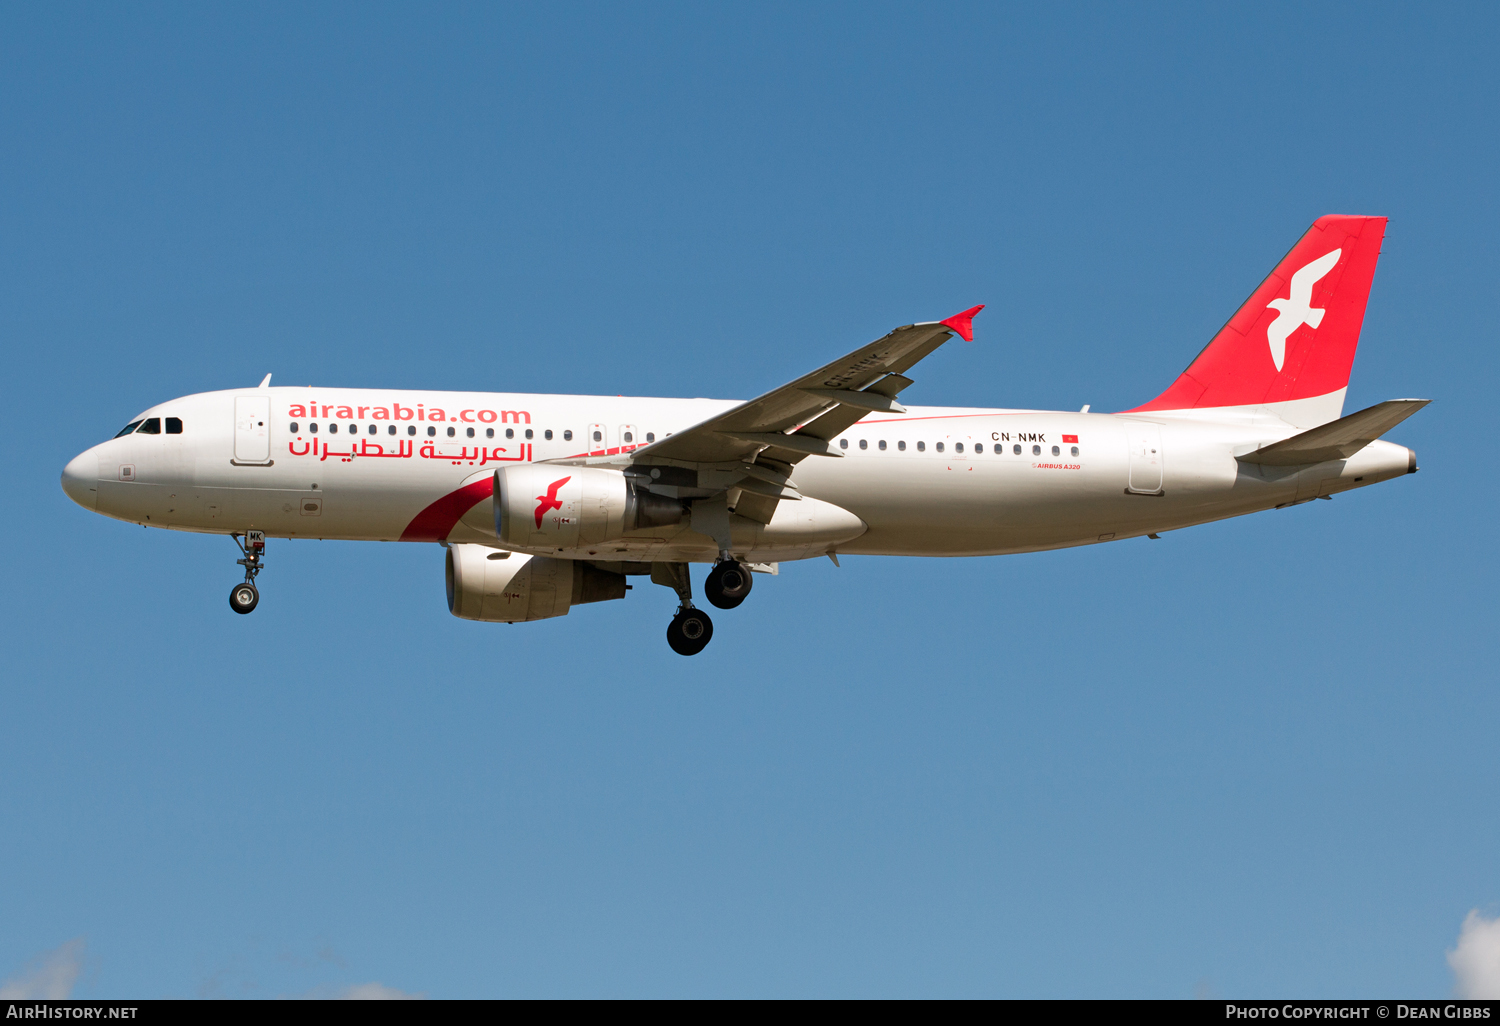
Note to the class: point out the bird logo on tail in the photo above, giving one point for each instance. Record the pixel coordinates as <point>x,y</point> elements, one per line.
<point>550,500</point>
<point>1297,309</point>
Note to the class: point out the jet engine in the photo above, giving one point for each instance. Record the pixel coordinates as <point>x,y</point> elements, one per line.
<point>508,587</point>
<point>546,508</point>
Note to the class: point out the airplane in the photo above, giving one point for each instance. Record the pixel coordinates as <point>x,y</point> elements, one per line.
<point>544,502</point>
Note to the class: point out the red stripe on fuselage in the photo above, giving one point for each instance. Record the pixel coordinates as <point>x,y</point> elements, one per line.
<point>436,521</point>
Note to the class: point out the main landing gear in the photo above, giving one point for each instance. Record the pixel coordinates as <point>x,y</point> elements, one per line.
<point>244,597</point>
<point>690,630</point>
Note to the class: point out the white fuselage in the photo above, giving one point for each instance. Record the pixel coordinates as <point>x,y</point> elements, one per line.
<point>380,465</point>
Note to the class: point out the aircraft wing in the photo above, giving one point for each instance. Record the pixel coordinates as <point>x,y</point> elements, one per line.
<point>798,419</point>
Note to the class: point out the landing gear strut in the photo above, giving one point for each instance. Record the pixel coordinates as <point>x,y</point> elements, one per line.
<point>244,597</point>
<point>728,583</point>
<point>690,630</point>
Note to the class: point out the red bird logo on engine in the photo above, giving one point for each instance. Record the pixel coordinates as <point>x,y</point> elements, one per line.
<point>550,500</point>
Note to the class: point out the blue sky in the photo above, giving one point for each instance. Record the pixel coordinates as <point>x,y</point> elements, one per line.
<point>1255,758</point>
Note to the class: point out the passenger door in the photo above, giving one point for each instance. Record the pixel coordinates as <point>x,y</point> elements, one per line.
<point>1145,458</point>
<point>252,429</point>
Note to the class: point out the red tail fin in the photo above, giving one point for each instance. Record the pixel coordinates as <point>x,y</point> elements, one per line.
<point>1295,337</point>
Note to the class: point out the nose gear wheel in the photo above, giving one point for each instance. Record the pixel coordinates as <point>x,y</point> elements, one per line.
<point>243,597</point>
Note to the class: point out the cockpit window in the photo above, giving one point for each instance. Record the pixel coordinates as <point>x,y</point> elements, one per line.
<point>174,425</point>
<point>152,426</point>
<point>128,428</point>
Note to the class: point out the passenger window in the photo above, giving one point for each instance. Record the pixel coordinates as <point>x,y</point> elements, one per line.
<point>882,444</point>
<point>1056,451</point>
<point>567,436</point>
<point>547,434</point>
<point>374,429</point>
<point>650,436</point>
<point>292,427</point>
<point>843,443</point>
<point>939,447</point>
<point>151,427</point>
<point>921,447</point>
<point>901,446</point>
<point>1036,450</point>
<point>510,432</point>
<point>391,430</point>
<point>411,429</point>
<point>1075,450</point>
<point>174,425</point>
<point>313,427</point>
<point>958,447</point>
<point>864,443</point>
<point>128,428</point>
<point>333,429</point>
<point>431,431</point>
<point>1017,450</point>
<point>629,437</point>
<point>469,432</point>
<point>528,434</point>
<point>489,432</point>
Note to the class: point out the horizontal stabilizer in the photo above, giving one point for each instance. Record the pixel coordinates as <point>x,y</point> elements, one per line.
<point>1337,439</point>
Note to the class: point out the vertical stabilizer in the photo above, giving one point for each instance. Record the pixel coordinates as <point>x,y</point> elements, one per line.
<point>1291,345</point>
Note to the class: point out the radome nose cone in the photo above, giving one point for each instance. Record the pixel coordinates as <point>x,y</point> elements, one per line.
<point>80,479</point>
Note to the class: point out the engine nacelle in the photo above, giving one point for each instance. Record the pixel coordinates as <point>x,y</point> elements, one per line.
<point>508,587</point>
<point>549,508</point>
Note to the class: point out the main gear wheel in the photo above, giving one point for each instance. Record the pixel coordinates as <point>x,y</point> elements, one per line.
<point>728,583</point>
<point>690,631</point>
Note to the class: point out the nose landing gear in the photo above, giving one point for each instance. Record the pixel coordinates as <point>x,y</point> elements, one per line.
<point>244,597</point>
